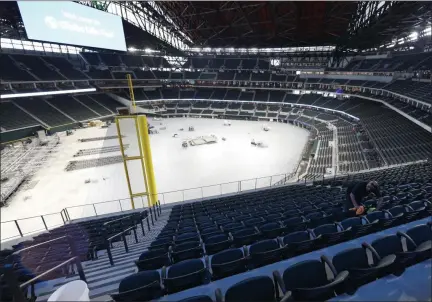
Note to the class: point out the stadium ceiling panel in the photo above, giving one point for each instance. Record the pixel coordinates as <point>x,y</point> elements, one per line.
<point>177,26</point>
<point>261,23</point>
<point>378,23</point>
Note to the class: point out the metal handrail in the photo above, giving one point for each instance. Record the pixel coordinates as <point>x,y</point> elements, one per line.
<point>67,218</point>
<point>11,279</point>
<point>122,233</point>
<point>49,271</point>
<point>39,244</point>
<point>118,219</point>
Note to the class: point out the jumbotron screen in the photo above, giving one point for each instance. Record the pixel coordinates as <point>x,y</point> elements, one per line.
<point>66,22</point>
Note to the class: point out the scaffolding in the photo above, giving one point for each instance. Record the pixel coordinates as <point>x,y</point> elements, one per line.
<point>20,161</point>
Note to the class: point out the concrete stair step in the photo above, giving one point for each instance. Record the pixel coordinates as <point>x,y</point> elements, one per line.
<point>103,278</point>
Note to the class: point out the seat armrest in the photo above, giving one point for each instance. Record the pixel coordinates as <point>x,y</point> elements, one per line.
<point>279,282</point>
<point>163,272</point>
<point>407,237</point>
<point>386,261</point>
<point>311,234</point>
<point>364,219</point>
<point>341,277</point>
<point>327,261</point>
<point>338,224</point>
<point>388,213</point>
<point>218,294</point>
<point>287,297</point>
<point>367,246</point>
<point>409,208</point>
<point>280,240</point>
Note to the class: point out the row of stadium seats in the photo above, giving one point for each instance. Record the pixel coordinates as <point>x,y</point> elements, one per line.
<point>35,68</point>
<point>28,260</point>
<point>417,90</point>
<point>306,280</point>
<point>245,232</point>
<point>407,62</point>
<point>191,63</point>
<point>18,67</point>
<point>417,61</point>
<point>55,111</point>
<point>263,95</point>
<point>308,117</point>
<point>277,217</point>
<point>30,67</point>
<point>377,122</point>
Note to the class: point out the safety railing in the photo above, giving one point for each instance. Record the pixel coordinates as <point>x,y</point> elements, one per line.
<point>32,225</point>
<point>26,226</point>
<point>131,225</point>
<point>18,289</point>
<point>123,235</point>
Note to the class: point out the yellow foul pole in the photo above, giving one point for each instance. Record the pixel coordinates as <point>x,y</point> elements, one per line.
<point>149,171</point>
<point>131,92</point>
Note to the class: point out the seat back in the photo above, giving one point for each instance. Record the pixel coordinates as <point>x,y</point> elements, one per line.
<point>375,216</point>
<point>151,260</point>
<point>190,236</point>
<point>187,250</point>
<point>257,289</point>
<point>418,205</point>
<point>420,234</point>
<point>217,243</point>
<point>184,275</point>
<point>351,222</point>
<point>397,211</point>
<point>294,224</point>
<point>197,299</point>
<point>387,245</point>
<point>228,263</point>
<point>296,237</point>
<point>163,243</point>
<point>305,274</point>
<point>325,229</point>
<point>271,230</point>
<point>265,252</point>
<point>244,236</point>
<point>142,286</point>
<point>350,258</point>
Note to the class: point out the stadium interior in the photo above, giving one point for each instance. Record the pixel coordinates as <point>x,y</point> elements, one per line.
<point>356,76</point>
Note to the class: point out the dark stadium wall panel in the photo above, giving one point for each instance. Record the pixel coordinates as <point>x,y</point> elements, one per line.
<point>14,135</point>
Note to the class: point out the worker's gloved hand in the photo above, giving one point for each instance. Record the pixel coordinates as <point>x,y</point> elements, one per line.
<point>359,210</point>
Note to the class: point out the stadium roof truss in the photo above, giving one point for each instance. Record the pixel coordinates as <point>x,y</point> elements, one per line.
<point>260,24</point>
<point>148,17</point>
<point>251,27</point>
<point>379,24</point>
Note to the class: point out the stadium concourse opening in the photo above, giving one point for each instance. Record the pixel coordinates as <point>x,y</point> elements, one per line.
<point>260,116</point>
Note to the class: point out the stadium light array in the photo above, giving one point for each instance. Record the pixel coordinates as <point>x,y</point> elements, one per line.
<point>44,93</point>
<point>262,50</point>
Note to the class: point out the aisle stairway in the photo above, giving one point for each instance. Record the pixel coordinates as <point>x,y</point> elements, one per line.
<point>102,278</point>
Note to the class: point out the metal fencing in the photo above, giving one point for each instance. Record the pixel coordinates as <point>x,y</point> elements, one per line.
<point>31,225</point>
